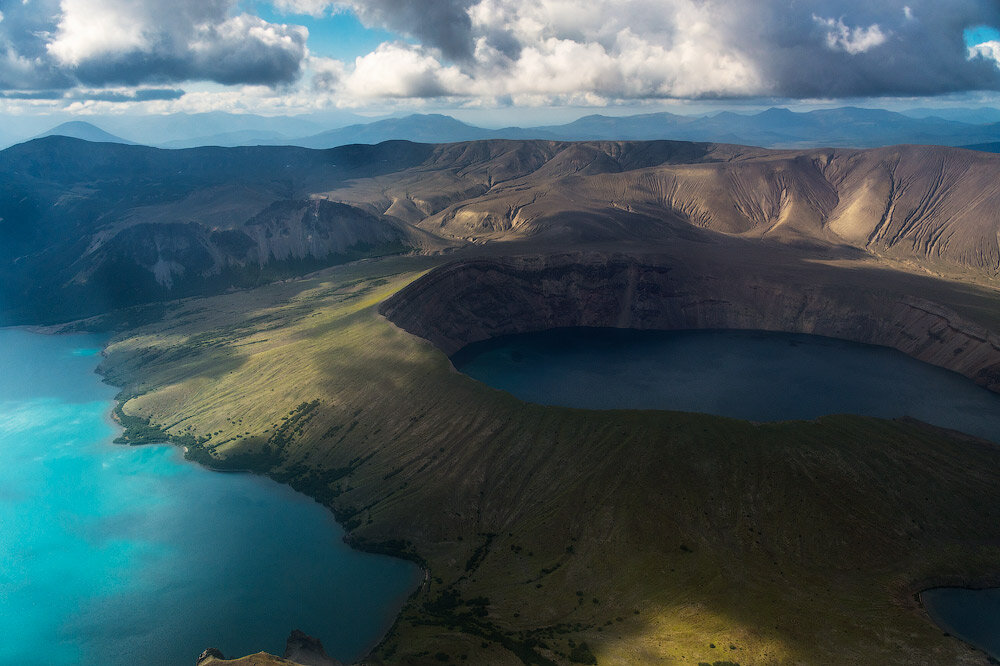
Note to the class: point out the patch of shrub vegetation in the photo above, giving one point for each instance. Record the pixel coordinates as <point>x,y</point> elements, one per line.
<point>581,654</point>
<point>477,555</point>
<point>468,616</point>
<point>293,424</point>
<point>138,430</point>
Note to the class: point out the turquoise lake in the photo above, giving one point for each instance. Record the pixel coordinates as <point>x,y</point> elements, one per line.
<point>130,555</point>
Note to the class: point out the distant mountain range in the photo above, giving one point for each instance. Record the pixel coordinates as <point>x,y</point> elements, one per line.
<point>91,227</point>
<point>181,130</point>
<point>781,128</point>
<point>993,147</point>
<point>773,128</point>
<point>77,129</point>
<point>422,128</point>
<point>978,116</point>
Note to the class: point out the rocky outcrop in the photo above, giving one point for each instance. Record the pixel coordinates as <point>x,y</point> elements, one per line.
<point>306,650</point>
<point>210,653</point>
<point>478,299</point>
<point>301,649</point>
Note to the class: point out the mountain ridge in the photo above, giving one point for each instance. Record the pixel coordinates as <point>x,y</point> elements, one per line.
<point>76,214</point>
<point>78,129</point>
<point>776,127</point>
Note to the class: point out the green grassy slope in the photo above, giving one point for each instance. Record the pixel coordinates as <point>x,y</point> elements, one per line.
<point>556,535</point>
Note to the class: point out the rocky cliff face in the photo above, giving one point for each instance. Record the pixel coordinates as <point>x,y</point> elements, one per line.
<point>171,254</point>
<point>478,299</point>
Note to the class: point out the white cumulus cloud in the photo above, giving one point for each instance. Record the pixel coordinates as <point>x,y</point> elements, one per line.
<point>851,40</point>
<point>637,49</point>
<point>402,70</point>
<point>987,50</point>
<point>131,41</point>
<point>89,29</point>
<point>479,52</point>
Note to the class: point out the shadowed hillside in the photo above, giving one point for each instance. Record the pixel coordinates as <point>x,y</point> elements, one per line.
<point>77,129</point>
<point>92,227</point>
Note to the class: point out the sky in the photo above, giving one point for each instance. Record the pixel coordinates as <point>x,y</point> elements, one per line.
<point>493,58</point>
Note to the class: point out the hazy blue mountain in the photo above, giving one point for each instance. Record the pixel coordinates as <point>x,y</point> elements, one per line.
<point>782,128</point>
<point>18,128</point>
<point>630,127</point>
<point>185,127</point>
<point>773,128</point>
<point>993,147</point>
<point>247,137</point>
<point>977,116</point>
<point>422,128</point>
<point>77,129</point>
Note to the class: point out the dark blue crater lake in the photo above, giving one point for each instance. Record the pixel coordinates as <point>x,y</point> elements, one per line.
<point>120,555</point>
<point>972,615</point>
<point>754,375</point>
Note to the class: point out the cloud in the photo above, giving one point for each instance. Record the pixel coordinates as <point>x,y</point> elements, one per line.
<point>311,7</point>
<point>49,44</point>
<point>34,94</point>
<point>402,70</point>
<point>989,51</point>
<point>101,95</point>
<point>327,73</point>
<point>444,24</point>
<point>128,95</point>
<point>852,40</point>
<point>478,52</point>
<point>640,49</point>
<point>130,42</point>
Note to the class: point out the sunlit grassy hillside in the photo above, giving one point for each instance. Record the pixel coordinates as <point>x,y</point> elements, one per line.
<point>556,535</point>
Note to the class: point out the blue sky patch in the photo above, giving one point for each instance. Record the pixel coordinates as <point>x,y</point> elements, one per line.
<point>340,35</point>
<point>979,34</point>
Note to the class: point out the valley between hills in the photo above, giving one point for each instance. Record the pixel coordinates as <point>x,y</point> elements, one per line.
<point>551,535</point>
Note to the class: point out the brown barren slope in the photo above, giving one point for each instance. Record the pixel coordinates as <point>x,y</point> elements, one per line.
<point>935,207</point>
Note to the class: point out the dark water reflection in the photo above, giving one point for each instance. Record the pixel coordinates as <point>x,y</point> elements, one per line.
<point>972,615</point>
<point>754,375</point>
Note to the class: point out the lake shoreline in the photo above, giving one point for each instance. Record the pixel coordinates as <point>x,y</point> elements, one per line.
<point>170,465</point>
<point>361,545</point>
<point>977,585</point>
